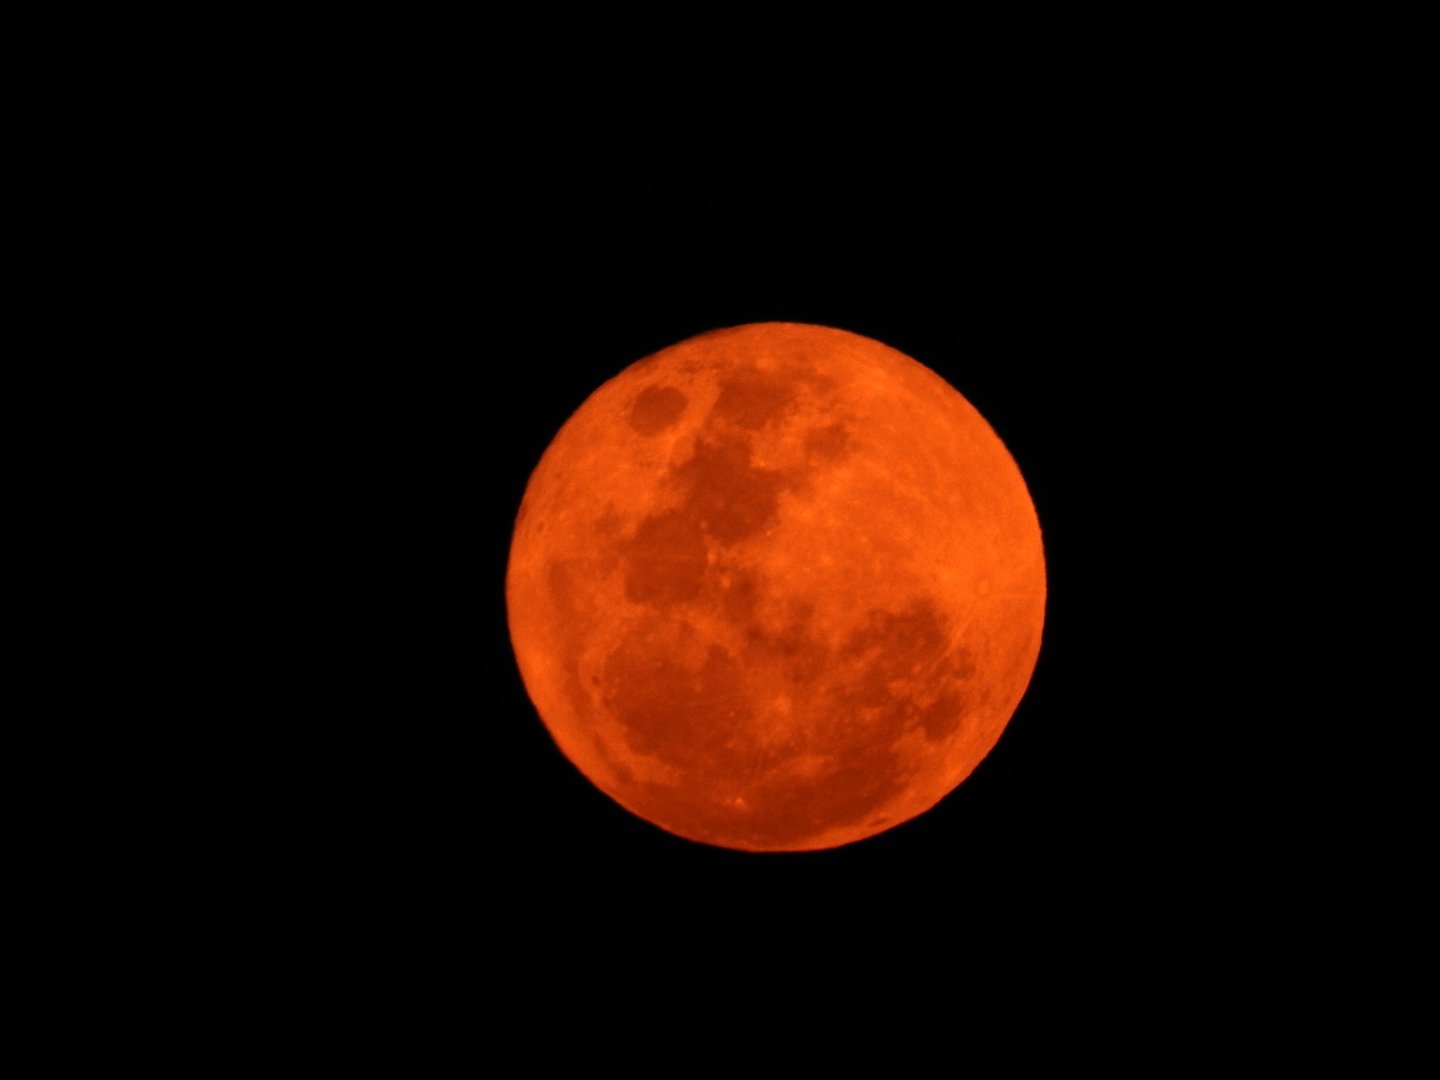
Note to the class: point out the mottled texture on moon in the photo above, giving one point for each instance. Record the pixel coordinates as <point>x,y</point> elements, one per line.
<point>777,587</point>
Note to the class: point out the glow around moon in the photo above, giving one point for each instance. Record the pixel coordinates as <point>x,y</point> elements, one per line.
<point>777,587</point>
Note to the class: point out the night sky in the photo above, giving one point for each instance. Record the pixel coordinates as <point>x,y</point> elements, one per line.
<point>348,283</point>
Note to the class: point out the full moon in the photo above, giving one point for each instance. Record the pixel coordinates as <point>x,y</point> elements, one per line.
<point>777,587</point>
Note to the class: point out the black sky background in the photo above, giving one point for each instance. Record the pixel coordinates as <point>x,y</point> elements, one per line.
<point>345,286</point>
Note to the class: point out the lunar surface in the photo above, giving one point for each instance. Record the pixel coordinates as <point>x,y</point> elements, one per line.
<point>776,588</point>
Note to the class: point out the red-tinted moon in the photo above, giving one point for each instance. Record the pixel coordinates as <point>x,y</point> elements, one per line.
<point>777,588</point>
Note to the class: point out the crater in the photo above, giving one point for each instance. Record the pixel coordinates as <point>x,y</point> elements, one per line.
<point>657,408</point>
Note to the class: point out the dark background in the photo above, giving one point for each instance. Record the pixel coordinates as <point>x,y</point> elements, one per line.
<point>345,284</point>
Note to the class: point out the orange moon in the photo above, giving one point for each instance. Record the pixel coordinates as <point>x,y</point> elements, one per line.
<point>776,588</point>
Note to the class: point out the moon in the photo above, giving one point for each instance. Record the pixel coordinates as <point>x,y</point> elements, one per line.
<point>778,587</point>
